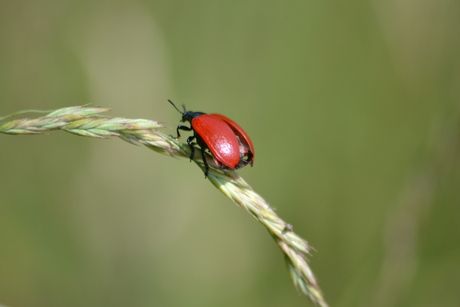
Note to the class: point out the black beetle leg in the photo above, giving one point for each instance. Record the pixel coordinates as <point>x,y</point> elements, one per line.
<point>192,148</point>
<point>180,127</point>
<point>205,162</point>
<point>189,139</point>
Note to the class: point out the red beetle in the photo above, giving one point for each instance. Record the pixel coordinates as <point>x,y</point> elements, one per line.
<point>226,140</point>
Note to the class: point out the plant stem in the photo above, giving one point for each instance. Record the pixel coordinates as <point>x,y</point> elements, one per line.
<point>87,121</point>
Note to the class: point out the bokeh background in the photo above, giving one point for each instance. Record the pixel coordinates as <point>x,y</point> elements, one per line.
<point>353,108</point>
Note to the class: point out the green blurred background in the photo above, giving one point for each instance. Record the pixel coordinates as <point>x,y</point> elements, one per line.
<point>353,108</point>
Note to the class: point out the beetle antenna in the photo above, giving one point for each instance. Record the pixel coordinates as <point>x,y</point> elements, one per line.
<point>176,107</point>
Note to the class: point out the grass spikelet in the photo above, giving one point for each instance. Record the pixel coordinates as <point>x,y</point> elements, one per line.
<point>88,122</point>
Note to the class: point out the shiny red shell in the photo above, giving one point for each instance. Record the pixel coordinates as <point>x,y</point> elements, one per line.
<point>228,142</point>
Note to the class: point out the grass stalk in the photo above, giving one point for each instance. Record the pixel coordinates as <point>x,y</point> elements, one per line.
<point>88,122</point>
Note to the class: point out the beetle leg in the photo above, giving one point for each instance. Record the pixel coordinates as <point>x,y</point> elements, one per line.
<point>189,139</point>
<point>180,127</point>
<point>192,148</point>
<point>206,166</point>
<point>203,148</point>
